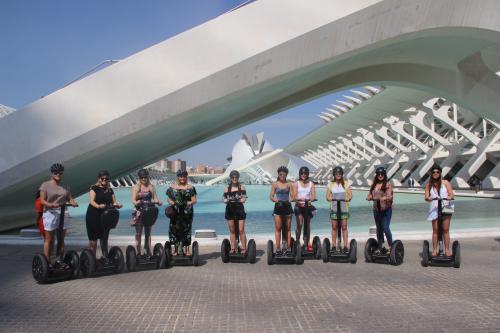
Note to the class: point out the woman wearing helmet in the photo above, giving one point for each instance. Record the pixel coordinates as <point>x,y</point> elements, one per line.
<point>438,188</point>
<point>381,194</point>
<point>143,192</point>
<point>181,196</point>
<point>339,188</point>
<point>101,196</point>
<point>281,192</point>
<point>305,193</point>
<point>54,194</point>
<point>235,196</point>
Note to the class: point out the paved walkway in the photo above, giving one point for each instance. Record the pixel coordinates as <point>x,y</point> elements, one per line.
<point>219,297</point>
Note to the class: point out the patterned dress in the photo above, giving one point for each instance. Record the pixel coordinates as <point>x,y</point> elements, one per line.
<point>181,223</point>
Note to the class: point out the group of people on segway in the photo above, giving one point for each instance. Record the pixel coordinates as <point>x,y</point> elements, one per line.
<point>102,215</point>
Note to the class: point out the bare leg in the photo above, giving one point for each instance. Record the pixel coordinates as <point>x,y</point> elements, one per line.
<point>334,233</point>
<point>277,231</point>
<point>232,236</point>
<point>298,230</point>
<point>147,240</point>
<point>93,246</point>
<point>289,231</point>
<point>104,243</point>
<point>446,234</point>
<point>344,233</point>
<point>435,237</point>
<point>48,243</point>
<point>243,236</point>
<point>138,236</point>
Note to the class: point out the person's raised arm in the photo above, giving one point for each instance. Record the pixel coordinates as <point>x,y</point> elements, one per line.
<point>313,192</point>
<point>449,189</point>
<point>427,195</point>
<point>244,194</point>
<point>328,193</point>
<point>92,201</point>
<point>272,193</point>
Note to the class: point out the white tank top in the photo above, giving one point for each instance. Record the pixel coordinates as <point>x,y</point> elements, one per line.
<point>304,192</point>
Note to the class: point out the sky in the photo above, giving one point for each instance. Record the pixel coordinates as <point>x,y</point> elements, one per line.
<point>45,44</point>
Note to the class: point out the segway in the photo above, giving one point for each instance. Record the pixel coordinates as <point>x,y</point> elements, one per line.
<point>441,259</point>
<point>394,256</point>
<point>225,249</point>
<point>111,262</point>
<point>316,243</point>
<point>337,254</point>
<point>181,259</point>
<point>148,213</point>
<point>289,256</point>
<point>66,267</point>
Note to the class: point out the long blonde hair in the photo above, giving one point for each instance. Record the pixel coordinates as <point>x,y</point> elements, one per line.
<point>138,184</point>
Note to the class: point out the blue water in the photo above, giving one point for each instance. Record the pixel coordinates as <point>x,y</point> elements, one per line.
<point>409,212</point>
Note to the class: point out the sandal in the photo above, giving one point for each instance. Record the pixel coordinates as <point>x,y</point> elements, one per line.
<point>243,251</point>
<point>232,251</point>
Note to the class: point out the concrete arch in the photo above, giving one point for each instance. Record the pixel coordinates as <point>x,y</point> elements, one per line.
<point>164,99</point>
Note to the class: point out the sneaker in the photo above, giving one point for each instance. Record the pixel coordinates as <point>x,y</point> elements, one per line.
<point>345,250</point>
<point>278,251</point>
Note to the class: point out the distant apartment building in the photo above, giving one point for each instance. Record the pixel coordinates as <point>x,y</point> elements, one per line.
<point>216,170</point>
<point>200,168</point>
<point>178,165</point>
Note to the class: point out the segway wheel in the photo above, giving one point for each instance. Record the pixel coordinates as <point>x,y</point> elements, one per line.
<point>159,253</point>
<point>116,257</point>
<point>252,251</point>
<point>224,250</point>
<point>298,254</point>
<point>293,247</point>
<point>353,251</point>
<point>168,254</point>
<point>87,263</point>
<point>40,268</point>
<point>131,258</point>
<point>72,260</point>
<point>196,254</point>
<point>370,246</point>
<point>456,254</point>
<point>316,247</point>
<point>325,250</point>
<point>397,253</point>
<point>270,252</point>
<point>425,254</point>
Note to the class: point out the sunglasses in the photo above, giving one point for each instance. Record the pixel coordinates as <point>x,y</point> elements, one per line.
<point>380,174</point>
<point>436,171</point>
<point>57,173</point>
<point>303,173</point>
<point>281,174</point>
<point>143,177</point>
<point>104,178</point>
<point>337,174</point>
<point>234,178</point>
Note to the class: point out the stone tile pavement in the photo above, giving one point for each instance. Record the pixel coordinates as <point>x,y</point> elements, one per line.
<point>219,297</point>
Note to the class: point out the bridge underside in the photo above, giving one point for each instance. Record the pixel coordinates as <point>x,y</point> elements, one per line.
<point>154,104</point>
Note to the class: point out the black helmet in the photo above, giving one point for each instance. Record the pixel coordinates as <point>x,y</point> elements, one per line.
<point>338,169</point>
<point>56,167</point>
<point>436,167</point>
<point>304,170</point>
<point>283,169</point>
<point>234,173</point>
<point>103,173</point>
<point>182,173</point>
<point>381,171</point>
<point>143,173</point>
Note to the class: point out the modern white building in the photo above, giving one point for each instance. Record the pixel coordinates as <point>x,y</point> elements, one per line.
<point>406,131</point>
<point>256,160</point>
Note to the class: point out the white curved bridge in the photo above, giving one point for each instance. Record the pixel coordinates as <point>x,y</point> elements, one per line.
<point>242,66</point>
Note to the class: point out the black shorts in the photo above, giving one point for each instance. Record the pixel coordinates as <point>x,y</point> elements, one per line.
<point>235,211</point>
<point>304,211</point>
<point>283,208</point>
